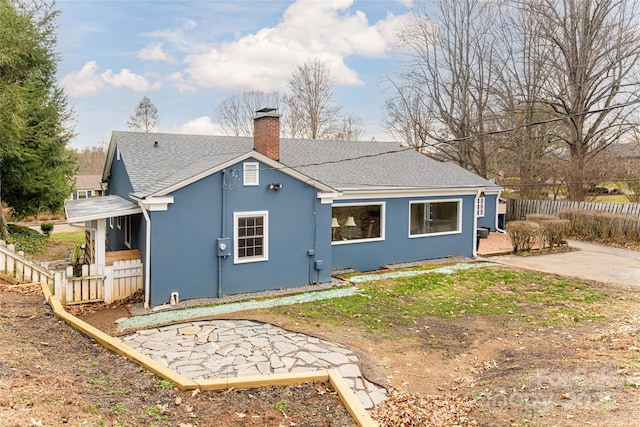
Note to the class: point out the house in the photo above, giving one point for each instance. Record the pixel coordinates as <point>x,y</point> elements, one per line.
<point>87,186</point>
<point>218,215</point>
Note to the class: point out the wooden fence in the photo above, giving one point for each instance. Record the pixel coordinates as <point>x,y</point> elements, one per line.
<point>14,265</point>
<point>98,283</point>
<point>517,209</point>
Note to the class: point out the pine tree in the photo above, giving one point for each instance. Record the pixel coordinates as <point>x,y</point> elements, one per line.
<point>145,118</point>
<point>36,167</point>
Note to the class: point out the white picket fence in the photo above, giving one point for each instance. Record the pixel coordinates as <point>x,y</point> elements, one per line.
<point>98,283</point>
<point>15,266</point>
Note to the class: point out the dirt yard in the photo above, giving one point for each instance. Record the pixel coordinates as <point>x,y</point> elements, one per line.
<point>51,375</point>
<point>551,372</point>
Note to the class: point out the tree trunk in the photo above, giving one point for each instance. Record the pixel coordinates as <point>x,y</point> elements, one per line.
<point>4,232</point>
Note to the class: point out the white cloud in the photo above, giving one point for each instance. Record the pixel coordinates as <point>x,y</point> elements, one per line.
<point>201,126</point>
<point>126,78</point>
<point>406,3</point>
<point>154,52</point>
<point>85,82</point>
<point>181,83</point>
<point>309,29</point>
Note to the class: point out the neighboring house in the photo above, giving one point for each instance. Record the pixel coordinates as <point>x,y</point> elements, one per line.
<point>87,186</point>
<point>218,215</point>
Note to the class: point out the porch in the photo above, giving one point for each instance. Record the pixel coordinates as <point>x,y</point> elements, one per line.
<point>106,275</point>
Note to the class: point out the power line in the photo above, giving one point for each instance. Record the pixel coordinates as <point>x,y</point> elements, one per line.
<point>488,133</point>
<point>540,122</point>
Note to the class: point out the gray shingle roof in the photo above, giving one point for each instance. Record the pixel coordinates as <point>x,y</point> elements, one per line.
<point>342,165</point>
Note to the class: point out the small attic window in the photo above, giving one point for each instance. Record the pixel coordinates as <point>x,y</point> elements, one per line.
<point>250,174</point>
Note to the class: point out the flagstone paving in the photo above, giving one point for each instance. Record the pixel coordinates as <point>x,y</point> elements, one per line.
<point>228,348</point>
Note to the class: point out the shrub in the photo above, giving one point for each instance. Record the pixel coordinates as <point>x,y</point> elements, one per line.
<point>26,239</point>
<point>602,226</point>
<point>555,231</point>
<point>523,234</point>
<point>46,228</point>
<point>538,218</point>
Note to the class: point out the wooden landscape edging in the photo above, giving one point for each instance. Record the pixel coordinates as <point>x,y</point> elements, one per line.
<point>355,408</point>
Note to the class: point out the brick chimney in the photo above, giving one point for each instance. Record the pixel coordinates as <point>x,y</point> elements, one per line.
<point>266,132</point>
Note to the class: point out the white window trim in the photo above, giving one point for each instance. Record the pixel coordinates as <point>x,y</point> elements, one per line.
<point>442,233</point>
<point>119,222</point>
<point>249,168</point>
<point>127,231</point>
<point>265,228</point>
<point>383,218</point>
<point>111,222</point>
<point>481,203</point>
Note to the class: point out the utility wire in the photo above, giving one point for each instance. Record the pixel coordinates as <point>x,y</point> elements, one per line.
<point>488,133</point>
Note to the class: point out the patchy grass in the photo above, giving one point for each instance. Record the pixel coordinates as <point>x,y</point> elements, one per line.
<point>75,237</point>
<point>614,198</point>
<point>492,291</point>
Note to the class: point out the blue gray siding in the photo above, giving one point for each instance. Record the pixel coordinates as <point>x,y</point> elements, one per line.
<point>184,256</point>
<point>120,184</point>
<point>489,218</point>
<point>398,247</point>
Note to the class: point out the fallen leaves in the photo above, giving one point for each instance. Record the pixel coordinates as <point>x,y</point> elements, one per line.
<point>406,410</point>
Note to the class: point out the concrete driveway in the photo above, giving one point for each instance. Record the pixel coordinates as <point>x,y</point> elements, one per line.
<point>593,262</point>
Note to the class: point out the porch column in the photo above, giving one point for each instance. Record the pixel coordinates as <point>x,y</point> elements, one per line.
<point>100,241</point>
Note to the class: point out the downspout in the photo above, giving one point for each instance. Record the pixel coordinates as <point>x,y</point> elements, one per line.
<point>475,224</point>
<point>312,255</point>
<point>222,230</point>
<point>147,256</point>
<point>498,229</point>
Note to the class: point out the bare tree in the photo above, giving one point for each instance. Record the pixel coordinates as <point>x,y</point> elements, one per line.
<point>451,70</point>
<point>235,114</point>
<point>593,69</point>
<point>91,159</point>
<point>311,101</point>
<point>349,128</point>
<point>145,117</point>
<point>529,152</point>
<point>408,118</point>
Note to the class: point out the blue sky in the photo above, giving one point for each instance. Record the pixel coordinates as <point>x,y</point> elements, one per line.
<point>188,56</point>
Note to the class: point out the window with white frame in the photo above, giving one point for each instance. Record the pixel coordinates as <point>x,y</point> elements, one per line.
<point>357,222</point>
<point>480,207</point>
<point>251,236</point>
<point>83,194</point>
<point>251,173</point>
<point>435,217</point>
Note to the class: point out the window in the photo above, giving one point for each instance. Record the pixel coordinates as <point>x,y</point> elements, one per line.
<point>83,194</point>
<point>251,236</point>
<point>437,217</point>
<point>250,174</point>
<point>480,207</point>
<point>127,231</point>
<point>357,222</point>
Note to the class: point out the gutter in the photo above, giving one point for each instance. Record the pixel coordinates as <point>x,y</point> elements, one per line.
<point>499,230</point>
<point>147,253</point>
<point>475,223</point>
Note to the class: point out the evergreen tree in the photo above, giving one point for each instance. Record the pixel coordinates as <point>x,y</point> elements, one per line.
<point>36,167</point>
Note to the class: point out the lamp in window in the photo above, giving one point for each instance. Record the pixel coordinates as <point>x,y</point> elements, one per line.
<point>334,225</point>
<point>351,222</point>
